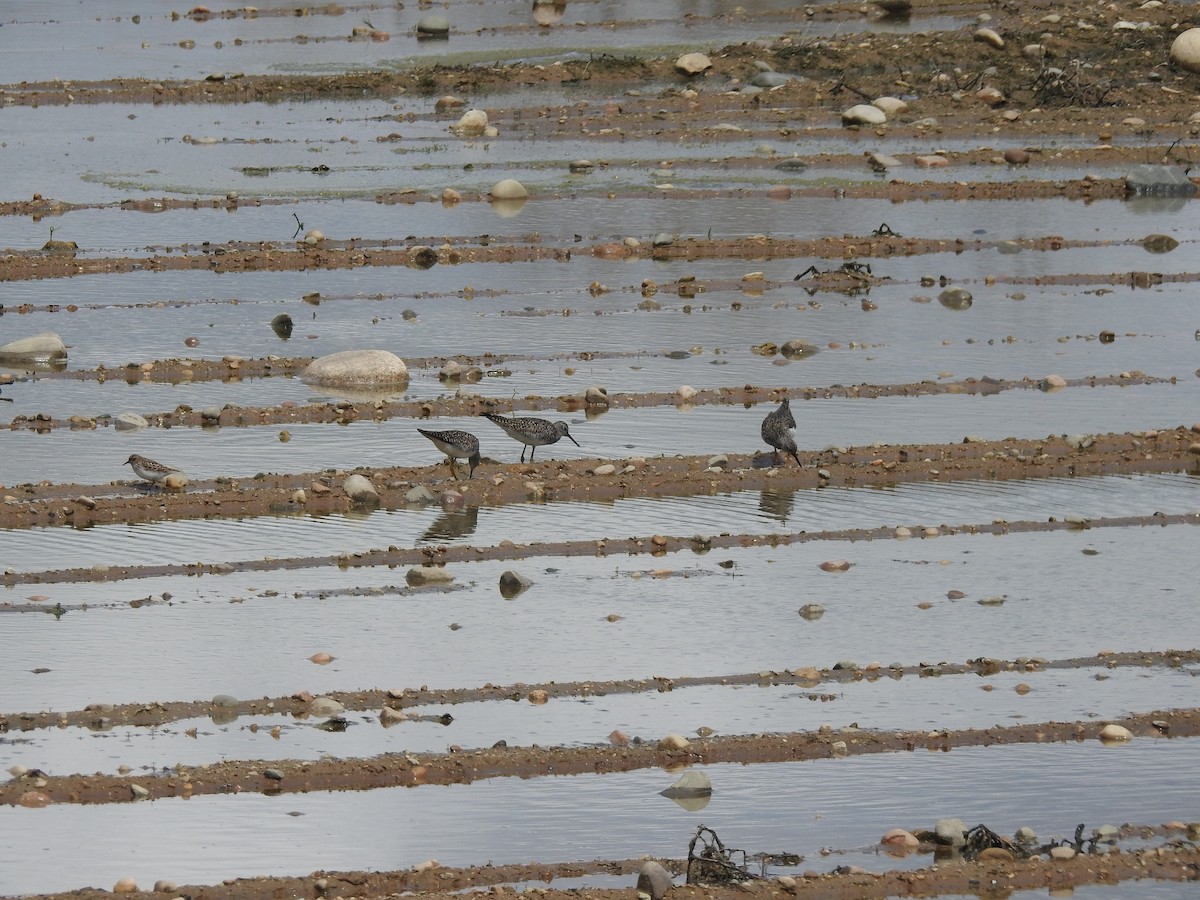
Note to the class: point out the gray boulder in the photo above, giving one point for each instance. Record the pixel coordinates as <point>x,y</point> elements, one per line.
<point>42,347</point>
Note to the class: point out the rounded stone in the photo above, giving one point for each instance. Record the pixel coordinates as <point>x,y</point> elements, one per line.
<point>1185,50</point>
<point>863,114</point>
<point>1112,732</point>
<point>356,368</point>
<point>509,189</point>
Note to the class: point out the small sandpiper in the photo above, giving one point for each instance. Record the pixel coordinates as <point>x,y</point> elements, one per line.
<point>456,445</point>
<point>777,432</point>
<point>149,470</point>
<point>532,432</point>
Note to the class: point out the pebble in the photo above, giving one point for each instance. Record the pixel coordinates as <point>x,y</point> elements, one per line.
<point>273,774</point>
<point>428,575</point>
<point>605,469</point>
<point>673,742</point>
<point>138,792</point>
<point>125,886</point>
<point>325,706</point>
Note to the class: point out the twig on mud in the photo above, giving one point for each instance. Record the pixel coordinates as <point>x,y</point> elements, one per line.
<point>714,863</point>
<point>981,838</point>
<point>299,226</point>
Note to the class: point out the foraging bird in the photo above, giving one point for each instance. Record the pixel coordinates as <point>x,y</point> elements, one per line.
<point>456,445</point>
<point>532,432</point>
<point>149,470</point>
<point>777,432</point>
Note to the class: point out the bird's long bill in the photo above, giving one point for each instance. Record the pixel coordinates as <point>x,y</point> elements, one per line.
<point>575,442</point>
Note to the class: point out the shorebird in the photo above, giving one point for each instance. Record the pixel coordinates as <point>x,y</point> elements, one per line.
<point>532,432</point>
<point>456,445</point>
<point>149,470</point>
<point>777,431</point>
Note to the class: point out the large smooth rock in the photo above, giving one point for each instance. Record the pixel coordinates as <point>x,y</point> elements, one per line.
<point>357,367</point>
<point>1185,50</point>
<point>509,189</point>
<point>36,348</point>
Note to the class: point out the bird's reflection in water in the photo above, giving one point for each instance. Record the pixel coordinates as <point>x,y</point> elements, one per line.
<point>777,504</point>
<point>452,525</point>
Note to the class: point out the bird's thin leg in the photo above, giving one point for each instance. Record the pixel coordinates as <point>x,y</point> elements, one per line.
<point>523,453</point>
<point>453,467</point>
<point>532,450</point>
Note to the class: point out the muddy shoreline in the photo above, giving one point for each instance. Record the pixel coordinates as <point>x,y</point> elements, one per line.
<point>1118,103</point>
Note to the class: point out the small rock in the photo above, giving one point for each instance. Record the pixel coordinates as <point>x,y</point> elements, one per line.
<point>863,114</point>
<point>693,63</point>
<point>389,716</point>
<point>325,706</point>
<point>898,837</point>
<point>654,880</point>
<point>128,421</point>
<point>418,575</point>
<point>360,490</point>
<point>273,774</point>
<point>989,37</point>
<point>125,886</point>
<point>595,395</point>
<point>605,469</point>
<point>433,25</point>
<point>951,832</point>
<point>225,701</point>
<point>673,742</point>
<point>1112,732</point>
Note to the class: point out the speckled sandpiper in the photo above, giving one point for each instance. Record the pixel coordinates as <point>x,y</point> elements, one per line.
<point>777,432</point>
<point>456,445</point>
<point>149,470</point>
<point>532,432</point>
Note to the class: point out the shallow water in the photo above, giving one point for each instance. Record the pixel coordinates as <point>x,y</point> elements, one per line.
<point>1066,594</point>
<point>390,639</point>
<point>882,702</point>
<point>794,807</point>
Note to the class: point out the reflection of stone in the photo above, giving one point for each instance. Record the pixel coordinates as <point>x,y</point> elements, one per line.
<point>690,784</point>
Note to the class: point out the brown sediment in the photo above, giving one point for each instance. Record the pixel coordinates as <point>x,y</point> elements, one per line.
<point>1177,861</point>
<point>297,705</point>
<point>467,766</point>
<point>1123,74</point>
<point>1170,450</point>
